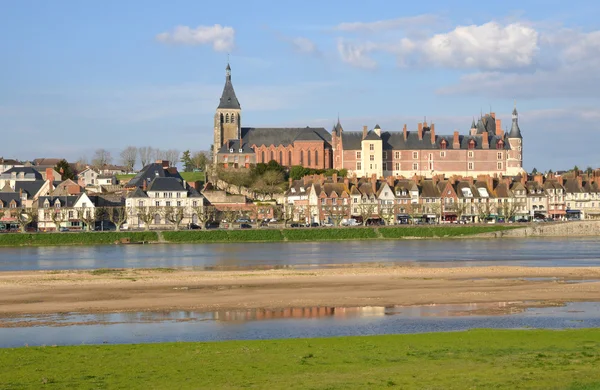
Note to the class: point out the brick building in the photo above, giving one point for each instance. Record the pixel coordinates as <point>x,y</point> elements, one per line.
<point>485,150</point>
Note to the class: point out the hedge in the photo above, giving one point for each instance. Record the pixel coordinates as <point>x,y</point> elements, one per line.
<point>323,234</point>
<point>223,235</point>
<point>75,238</point>
<point>438,231</point>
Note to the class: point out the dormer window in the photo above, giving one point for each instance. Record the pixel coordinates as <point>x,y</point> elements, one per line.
<point>443,144</point>
<point>302,189</point>
<point>499,144</point>
<point>13,204</point>
<point>57,204</point>
<point>293,190</point>
<point>471,144</point>
<point>240,150</point>
<point>231,150</point>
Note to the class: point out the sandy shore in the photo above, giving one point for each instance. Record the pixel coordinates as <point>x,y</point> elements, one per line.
<point>40,292</point>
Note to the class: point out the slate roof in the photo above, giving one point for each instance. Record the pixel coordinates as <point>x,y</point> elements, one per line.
<point>65,201</point>
<point>283,136</point>
<point>166,184</point>
<point>515,131</point>
<point>7,197</point>
<point>25,170</point>
<point>138,193</point>
<point>235,145</point>
<point>149,173</point>
<point>228,98</point>
<point>29,187</point>
<point>372,136</point>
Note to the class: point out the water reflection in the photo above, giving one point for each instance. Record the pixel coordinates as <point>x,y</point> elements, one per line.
<point>465,253</point>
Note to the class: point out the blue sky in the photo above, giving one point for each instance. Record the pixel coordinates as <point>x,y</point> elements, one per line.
<point>79,76</point>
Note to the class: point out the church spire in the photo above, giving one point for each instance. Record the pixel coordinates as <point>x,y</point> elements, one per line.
<point>515,132</point>
<point>228,98</point>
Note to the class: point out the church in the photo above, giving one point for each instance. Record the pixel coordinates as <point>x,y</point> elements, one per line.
<point>485,150</point>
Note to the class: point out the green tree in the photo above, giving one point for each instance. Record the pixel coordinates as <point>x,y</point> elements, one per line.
<point>297,172</point>
<point>186,160</point>
<point>534,171</point>
<point>576,170</point>
<point>64,169</point>
<point>199,161</point>
<point>589,171</point>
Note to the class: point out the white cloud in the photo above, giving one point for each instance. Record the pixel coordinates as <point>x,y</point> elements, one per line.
<point>304,45</point>
<point>488,46</point>
<point>220,37</point>
<point>357,54</point>
<point>389,24</point>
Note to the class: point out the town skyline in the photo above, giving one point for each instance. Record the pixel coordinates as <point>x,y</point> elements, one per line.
<point>134,85</point>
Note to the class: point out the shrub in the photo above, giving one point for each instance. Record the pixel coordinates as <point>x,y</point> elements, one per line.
<point>223,236</point>
<point>78,238</point>
<point>320,234</point>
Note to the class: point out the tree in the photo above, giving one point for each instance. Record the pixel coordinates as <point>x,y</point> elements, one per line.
<point>459,208</point>
<point>204,214</point>
<point>387,212</point>
<point>88,216</point>
<point>145,153</point>
<point>101,158</point>
<point>146,215</point>
<point>589,171</point>
<point>58,216</point>
<point>534,171</point>
<point>186,160</point>
<point>508,210</point>
<point>240,177</point>
<point>336,212</point>
<point>366,211</point>
<point>576,170</point>
<point>158,154</point>
<point>64,168</point>
<point>174,215</point>
<point>484,210</point>
<point>172,155</point>
<point>129,157</point>
<point>269,183</point>
<point>230,215</point>
<point>288,213</point>
<point>199,161</point>
<point>297,172</point>
<point>24,217</point>
<point>117,215</point>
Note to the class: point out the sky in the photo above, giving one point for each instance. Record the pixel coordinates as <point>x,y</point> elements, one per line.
<point>78,76</point>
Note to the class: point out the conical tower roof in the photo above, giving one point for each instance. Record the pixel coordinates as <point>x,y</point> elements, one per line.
<point>228,98</point>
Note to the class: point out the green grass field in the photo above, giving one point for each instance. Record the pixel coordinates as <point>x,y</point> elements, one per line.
<point>479,359</point>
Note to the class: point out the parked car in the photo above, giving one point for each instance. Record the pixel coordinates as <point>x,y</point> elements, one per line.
<point>264,224</point>
<point>242,220</point>
<point>194,226</point>
<point>245,226</point>
<point>212,225</point>
<point>63,229</point>
<point>314,224</point>
<point>273,220</point>
<point>327,224</point>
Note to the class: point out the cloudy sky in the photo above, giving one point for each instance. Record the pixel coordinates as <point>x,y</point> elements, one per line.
<point>79,75</point>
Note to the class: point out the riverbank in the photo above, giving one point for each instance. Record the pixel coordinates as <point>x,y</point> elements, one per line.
<point>246,235</point>
<point>119,290</point>
<point>536,359</point>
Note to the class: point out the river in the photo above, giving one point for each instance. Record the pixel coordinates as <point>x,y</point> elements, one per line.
<point>539,252</point>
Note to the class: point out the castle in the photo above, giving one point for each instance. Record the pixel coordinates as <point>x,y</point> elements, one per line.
<point>485,150</point>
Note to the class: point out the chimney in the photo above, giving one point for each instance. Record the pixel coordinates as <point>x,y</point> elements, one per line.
<point>420,131</point>
<point>579,181</point>
<point>305,179</point>
<point>374,182</point>
<point>347,182</point>
<point>334,177</point>
<point>165,164</point>
<point>500,133</point>
<point>486,141</point>
<point>456,141</point>
<point>415,178</point>
<point>404,132</point>
<point>559,179</point>
<point>50,175</point>
<point>498,126</point>
<point>73,189</point>
<point>390,181</point>
<point>435,179</point>
<point>432,134</point>
<point>364,132</point>
<point>469,179</point>
<point>538,179</point>
<point>490,182</point>
<point>144,186</point>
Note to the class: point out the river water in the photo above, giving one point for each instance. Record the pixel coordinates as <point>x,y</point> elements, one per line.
<point>540,252</point>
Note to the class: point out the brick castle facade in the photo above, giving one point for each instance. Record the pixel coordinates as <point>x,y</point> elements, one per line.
<point>485,150</point>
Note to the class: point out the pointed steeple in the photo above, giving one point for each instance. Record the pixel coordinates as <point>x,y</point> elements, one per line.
<point>515,132</point>
<point>228,98</point>
<point>473,124</point>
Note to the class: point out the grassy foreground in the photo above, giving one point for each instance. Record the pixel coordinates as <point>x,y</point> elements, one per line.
<point>482,359</point>
<point>250,235</point>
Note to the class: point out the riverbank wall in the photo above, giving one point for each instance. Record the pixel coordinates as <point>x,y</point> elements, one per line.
<point>563,229</point>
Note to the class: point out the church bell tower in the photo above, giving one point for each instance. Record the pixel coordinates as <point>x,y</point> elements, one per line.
<point>228,116</point>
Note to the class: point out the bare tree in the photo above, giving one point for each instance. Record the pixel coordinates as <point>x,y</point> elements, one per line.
<point>484,210</point>
<point>336,212</point>
<point>366,211</point>
<point>101,158</point>
<point>288,213</point>
<point>204,213</point>
<point>117,216</point>
<point>414,210</point>
<point>146,215</point>
<point>199,160</point>
<point>172,155</point>
<point>145,153</point>
<point>82,163</point>
<point>129,157</point>
<point>230,215</point>
<point>459,208</point>
<point>158,154</point>
<point>508,210</point>
<point>58,216</point>
<point>387,212</point>
<point>24,217</point>
<point>88,217</point>
<point>174,215</point>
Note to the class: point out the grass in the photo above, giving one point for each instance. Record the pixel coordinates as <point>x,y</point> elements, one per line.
<point>440,231</point>
<point>321,234</point>
<point>223,235</point>
<point>78,238</point>
<point>125,178</point>
<point>193,176</point>
<point>481,359</point>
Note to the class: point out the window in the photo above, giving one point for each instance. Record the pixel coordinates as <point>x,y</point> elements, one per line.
<point>164,194</point>
<point>226,118</point>
<point>195,203</point>
<point>71,215</point>
<point>372,157</point>
<point>290,157</point>
<point>232,118</point>
<point>178,194</point>
<point>141,203</point>
<point>397,166</point>
<point>499,145</point>
<point>499,155</point>
<point>470,166</point>
<point>302,157</point>
<point>272,156</point>
<point>358,166</point>
<point>225,159</point>
<point>157,219</point>
<point>396,154</point>
<point>178,203</point>
<point>280,157</point>
<point>316,157</point>
<point>499,165</point>
<point>442,154</point>
<point>519,148</point>
<point>384,155</point>
<point>415,155</point>
<point>470,154</point>
<point>168,204</point>
<point>157,203</point>
<point>415,166</point>
<point>443,144</point>
<point>262,156</point>
<point>308,158</point>
<point>370,166</point>
<point>430,156</point>
<point>357,155</point>
<point>371,146</point>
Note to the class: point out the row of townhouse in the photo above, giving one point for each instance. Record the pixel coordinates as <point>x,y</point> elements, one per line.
<point>317,199</point>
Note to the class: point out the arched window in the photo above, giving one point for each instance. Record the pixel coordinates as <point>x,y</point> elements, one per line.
<point>221,117</point>
<point>289,158</point>
<point>232,118</point>
<point>302,157</point>
<point>308,158</point>
<point>272,156</point>
<point>262,156</point>
<point>317,158</point>
<point>157,219</point>
<point>226,118</point>
<point>280,157</point>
